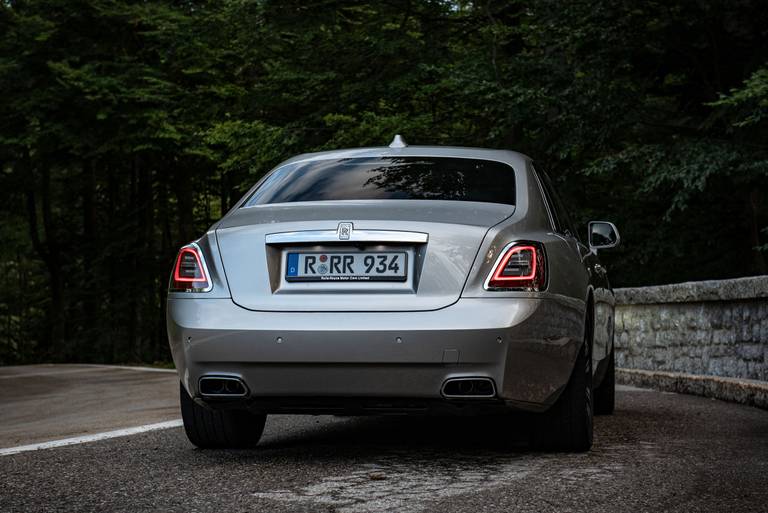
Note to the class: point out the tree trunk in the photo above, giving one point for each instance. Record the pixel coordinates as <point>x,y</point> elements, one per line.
<point>90,247</point>
<point>47,249</point>
<point>224,192</point>
<point>146,257</point>
<point>131,321</point>
<point>112,267</point>
<point>184,198</point>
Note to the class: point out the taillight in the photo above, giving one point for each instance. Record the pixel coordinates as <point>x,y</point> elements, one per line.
<point>521,266</point>
<point>189,272</point>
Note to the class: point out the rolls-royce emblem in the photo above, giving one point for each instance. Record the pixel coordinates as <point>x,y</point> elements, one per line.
<point>344,231</point>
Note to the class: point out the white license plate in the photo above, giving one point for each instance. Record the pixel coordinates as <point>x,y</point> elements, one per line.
<point>340,266</point>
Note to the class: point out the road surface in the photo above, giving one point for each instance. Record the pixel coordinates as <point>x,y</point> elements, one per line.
<point>659,452</point>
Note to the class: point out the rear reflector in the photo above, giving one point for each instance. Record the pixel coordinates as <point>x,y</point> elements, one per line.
<point>522,266</point>
<point>189,273</point>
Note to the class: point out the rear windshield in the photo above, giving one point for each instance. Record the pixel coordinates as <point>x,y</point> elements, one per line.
<point>430,178</point>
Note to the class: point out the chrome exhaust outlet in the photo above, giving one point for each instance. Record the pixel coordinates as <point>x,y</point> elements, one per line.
<point>222,386</point>
<point>469,388</point>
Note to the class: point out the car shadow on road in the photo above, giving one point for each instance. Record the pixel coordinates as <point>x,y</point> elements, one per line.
<point>346,437</point>
<point>367,463</point>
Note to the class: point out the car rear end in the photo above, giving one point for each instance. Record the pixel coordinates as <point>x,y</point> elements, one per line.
<point>402,298</point>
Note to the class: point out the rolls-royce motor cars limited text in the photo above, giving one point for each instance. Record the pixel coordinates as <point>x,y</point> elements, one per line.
<point>402,279</point>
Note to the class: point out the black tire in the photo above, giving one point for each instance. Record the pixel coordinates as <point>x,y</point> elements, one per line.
<point>567,425</point>
<point>220,429</point>
<point>605,394</point>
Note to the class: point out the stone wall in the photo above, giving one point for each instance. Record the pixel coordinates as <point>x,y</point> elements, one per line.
<point>716,328</point>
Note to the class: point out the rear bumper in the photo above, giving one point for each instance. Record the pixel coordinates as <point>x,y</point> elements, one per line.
<point>296,361</point>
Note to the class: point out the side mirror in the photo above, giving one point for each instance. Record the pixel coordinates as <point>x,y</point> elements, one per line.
<point>603,235</point>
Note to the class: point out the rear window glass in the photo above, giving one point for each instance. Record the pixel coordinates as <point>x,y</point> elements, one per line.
<point>430,178</point>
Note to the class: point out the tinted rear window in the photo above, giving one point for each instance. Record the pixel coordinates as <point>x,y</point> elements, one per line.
<point>431,178</point>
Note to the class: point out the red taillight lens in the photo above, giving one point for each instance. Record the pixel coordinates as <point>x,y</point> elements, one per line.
<point>189,273</point>
<point>522,266</point>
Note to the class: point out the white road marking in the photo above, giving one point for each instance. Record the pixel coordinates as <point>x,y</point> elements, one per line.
<point>141,369</point>
<point>55,373</point>
<point>92,438</point>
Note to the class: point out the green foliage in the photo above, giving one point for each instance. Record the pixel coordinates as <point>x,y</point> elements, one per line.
<point>247,148</point>
<point>127,128</point>
<point>750,101</point>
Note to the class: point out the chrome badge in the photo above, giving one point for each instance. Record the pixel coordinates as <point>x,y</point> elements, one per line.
<point>344,231</point>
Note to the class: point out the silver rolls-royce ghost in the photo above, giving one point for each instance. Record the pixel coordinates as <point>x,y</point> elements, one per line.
<point>402,279</point>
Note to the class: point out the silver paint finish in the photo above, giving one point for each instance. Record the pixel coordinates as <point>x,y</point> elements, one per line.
<point>469,213</point>
<point>358,354</point>
<point>254,274</point>
<point>398,142</point>
<point>372,341</point>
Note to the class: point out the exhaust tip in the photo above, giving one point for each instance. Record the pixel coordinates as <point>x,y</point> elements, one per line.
<point>222,386</point>
<point>469,388</point>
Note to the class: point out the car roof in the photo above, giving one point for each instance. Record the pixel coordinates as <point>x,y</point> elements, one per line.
<point>513,158</point>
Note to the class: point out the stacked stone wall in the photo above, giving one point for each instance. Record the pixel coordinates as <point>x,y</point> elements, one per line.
<point>716,328</point>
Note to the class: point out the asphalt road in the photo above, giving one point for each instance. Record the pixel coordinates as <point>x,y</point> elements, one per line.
<point>659,452</point>
<point>48,402</point>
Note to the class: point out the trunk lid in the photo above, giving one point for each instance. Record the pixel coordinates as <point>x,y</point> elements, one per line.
<point>440,238</point>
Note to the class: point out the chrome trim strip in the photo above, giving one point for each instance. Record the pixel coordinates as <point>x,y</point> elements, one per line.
<point>356,236</point>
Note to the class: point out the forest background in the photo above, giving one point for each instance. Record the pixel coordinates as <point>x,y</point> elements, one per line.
<point>128,127</point>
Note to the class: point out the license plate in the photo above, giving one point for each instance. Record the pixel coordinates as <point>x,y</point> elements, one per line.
<point>339,266</point>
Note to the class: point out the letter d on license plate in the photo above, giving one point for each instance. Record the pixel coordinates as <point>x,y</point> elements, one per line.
<point>341,266</point>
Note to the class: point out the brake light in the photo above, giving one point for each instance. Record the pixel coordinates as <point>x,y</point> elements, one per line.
<point>189,272</point>
<point>521,266</point>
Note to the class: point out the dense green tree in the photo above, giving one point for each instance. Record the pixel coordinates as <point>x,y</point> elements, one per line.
<point>126,128</point>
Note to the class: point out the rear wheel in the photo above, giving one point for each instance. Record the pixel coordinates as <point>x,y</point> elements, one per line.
<point>605,394</point>
<point>567,426</point>
<point>219,429</point>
